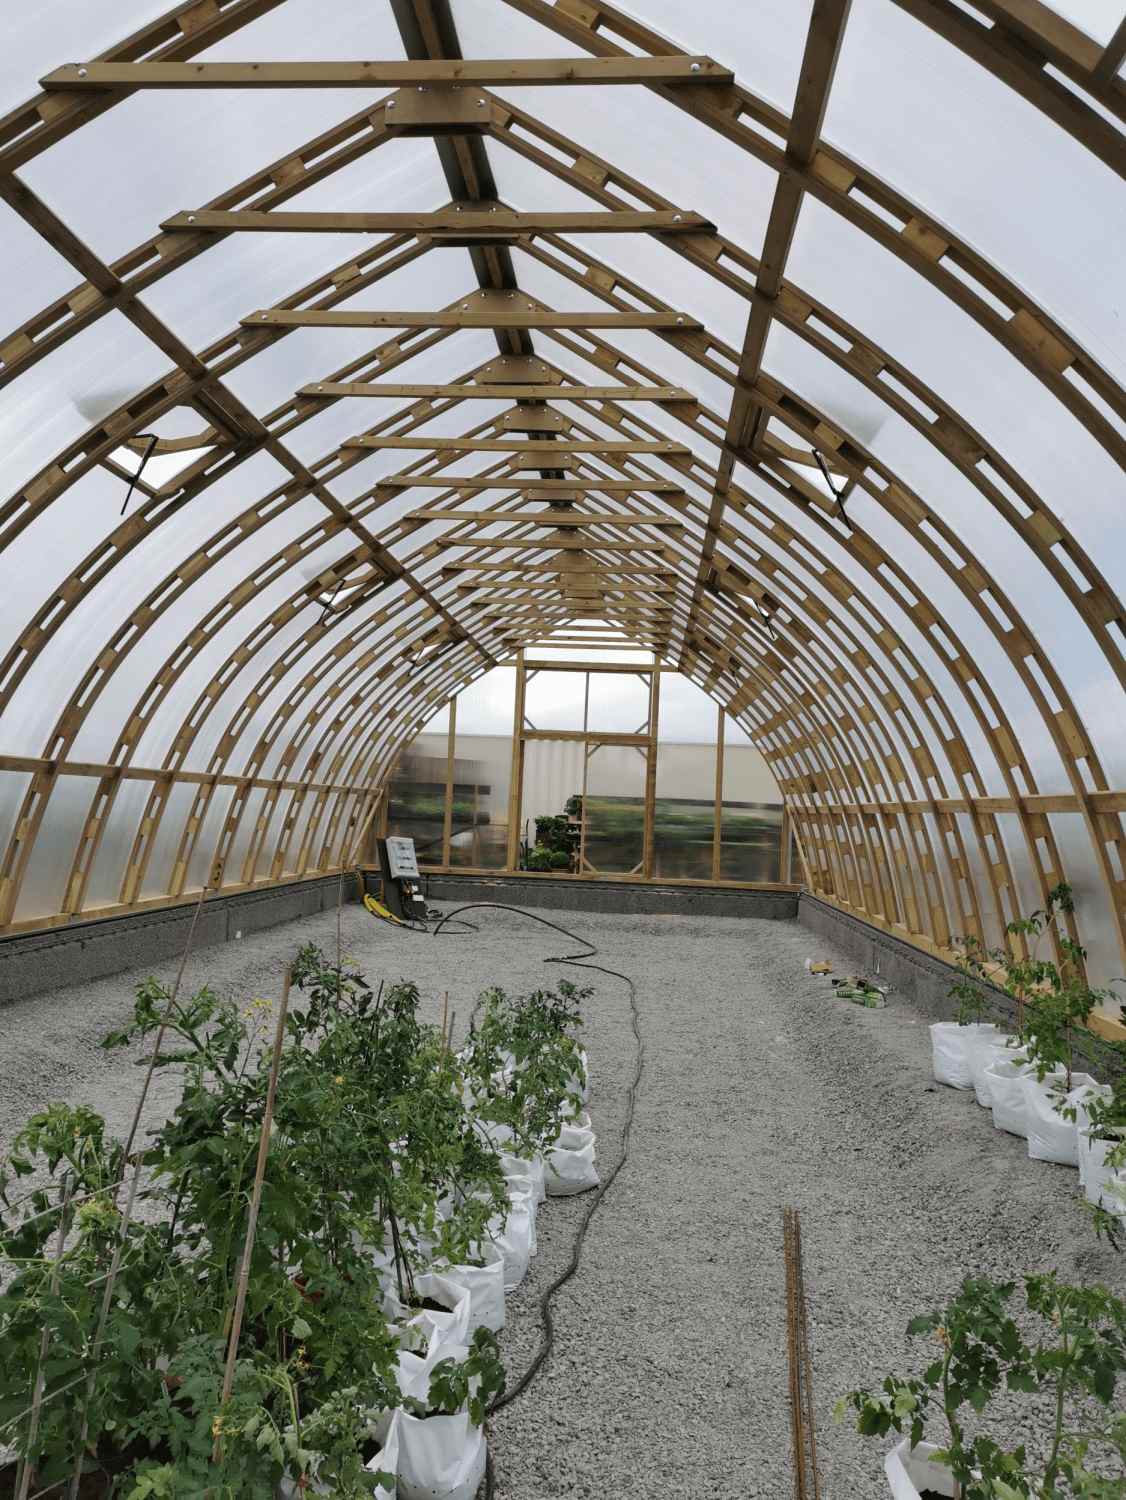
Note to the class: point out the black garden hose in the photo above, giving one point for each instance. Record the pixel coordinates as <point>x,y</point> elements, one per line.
<point>575,961</point>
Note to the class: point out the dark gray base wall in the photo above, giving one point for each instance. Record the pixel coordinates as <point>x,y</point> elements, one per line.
<point>93,950</point>
<point>924,980</point>
<point>921,979</point>
<point>611,896</point>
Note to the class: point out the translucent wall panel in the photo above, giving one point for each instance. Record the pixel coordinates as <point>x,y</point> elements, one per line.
<point>482,776</point>
<point>617,704</point>
<point>417,806</point>
<point>614,810</point>
<point>44,883</point>
<point>553,773</point>
<point>684,811</point>
<point>751,814</point>
<point>556,700</point>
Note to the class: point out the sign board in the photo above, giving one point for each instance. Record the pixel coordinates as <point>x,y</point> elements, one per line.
<point>401,861</point>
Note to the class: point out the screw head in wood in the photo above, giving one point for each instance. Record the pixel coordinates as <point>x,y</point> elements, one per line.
<point>82,72</point>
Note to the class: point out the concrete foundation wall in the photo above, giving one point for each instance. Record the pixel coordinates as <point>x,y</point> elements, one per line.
<point>924,980</point>
<point>611,896</point>
<point>39,961</point>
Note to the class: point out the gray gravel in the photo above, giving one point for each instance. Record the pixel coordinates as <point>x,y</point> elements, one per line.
<point>761,1089</point>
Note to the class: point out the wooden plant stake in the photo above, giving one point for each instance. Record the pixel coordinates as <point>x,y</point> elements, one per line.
<point>445,1013</point>
<point>24,1483</point>
<point>255,1204</point>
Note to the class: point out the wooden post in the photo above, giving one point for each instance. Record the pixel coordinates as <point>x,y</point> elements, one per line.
<point>516,786</point>
<point>651,773</point>
<point>784,836</point>
<point>255,1204</point>
<point>717,840</point>
<point>448,813</point>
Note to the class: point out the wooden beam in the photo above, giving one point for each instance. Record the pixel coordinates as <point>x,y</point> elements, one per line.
<point>611,590</point>
<point>468,317</point>
<point>551,486</point>
<point>579,736</point>
<point>607,568</point>
<point>445,223</point>
<point>822,48</point>
<point>560,450</point>
<point>541,518</point>
<point>1114,54</point>
<point>476,72</point>
<point>468,392</point>
<point>555,544</point>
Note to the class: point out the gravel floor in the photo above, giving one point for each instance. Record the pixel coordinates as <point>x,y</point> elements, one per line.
<point>760,1089</point>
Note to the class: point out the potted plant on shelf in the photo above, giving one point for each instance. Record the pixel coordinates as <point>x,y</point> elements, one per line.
<point>1070,1367</point>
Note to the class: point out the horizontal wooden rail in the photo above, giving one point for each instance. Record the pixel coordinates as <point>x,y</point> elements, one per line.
<point>441,223</point>
<point>555,451</point>
<point>540,72</point>
<point>540,518</point>
<point>282,317</point>
<point>499,392</point>
<point>549,486</point>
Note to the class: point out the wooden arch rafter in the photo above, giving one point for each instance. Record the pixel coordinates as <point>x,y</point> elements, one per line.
<point>889,796</point>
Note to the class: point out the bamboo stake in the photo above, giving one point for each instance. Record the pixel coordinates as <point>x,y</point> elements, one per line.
<point>24,1483</point>
<point>255,1204</point>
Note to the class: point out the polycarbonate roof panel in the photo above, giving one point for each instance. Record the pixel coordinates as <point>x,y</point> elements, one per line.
<point>978,157</point>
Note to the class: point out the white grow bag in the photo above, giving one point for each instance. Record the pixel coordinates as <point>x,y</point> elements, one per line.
<point>569,1165</point>
<point>950,1044</point>
<point>1006,1093</point>
<point>989,1046</point>
<point>439,1458</point>
<point>1050,1136</point>
<point>484,1285</point>
<point>1105,1186</point>
<point>910,1471</point>
<point>514,1235</point>
<point>429,1328</point>
<point>515,1168</point>
<point>1082,1121</point>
